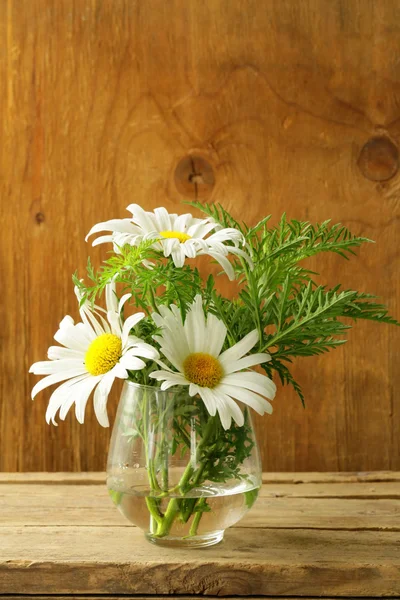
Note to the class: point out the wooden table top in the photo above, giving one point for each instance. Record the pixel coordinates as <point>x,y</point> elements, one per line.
<point>309,534</point>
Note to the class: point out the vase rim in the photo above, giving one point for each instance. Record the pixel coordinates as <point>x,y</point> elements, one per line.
<point>155,388</point>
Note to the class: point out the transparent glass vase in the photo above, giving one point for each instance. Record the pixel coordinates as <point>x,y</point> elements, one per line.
<point>174,472</point>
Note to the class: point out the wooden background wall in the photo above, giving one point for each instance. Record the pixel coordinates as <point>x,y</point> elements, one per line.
<point>276,105</point>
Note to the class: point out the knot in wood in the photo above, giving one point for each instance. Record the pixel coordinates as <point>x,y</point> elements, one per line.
<point>39,218</point>
<point>194,177</point>
<point>379,159</point>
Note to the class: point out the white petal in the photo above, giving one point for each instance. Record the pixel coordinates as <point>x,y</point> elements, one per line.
<point>195,327</point>
<point>145,220</point>
<point>173,357</point>
<point>119,371</point>
<point>97,312</point>
<point>73,337</point>
<point>243,254</point>
<point>226,235</point>
<point>130,324</point>
<point>148,264</point>
<point>223,410</point>
<point>90,320</point>
<point>163,374</point>
<point>246,362</point>
<point>63,396</point>
<point>189,248</point>
<point>174,344</point>
<point>200,230</point>
<point>193,389</point>
<point>259,404</point>
<point>115,323</point>
<point>241,348</point>
<point>122,301</point>
<point>168,245</point>
<point>121,239</point>
<point>178,256</point>
<point>144,350</point>
<point>172,381</point>
<point>230,405</point>
<point>162,218</point>
<point>132,363</point>
<point>224,262</point>
<point>102,239</point>
<point>208,398</point>
<point>261,384</point>
<point>111,298</point>
<point>47,367</point>
<point>56,378</point>
<point>215,335</point>
<point>82,397</point>
<point>164,366</point>
<point>101,397</point>
<point>58,352</point>
<point>119,225</point>
<point>84,333</point>
<point>178,355</point>
<point>66,322</point>
<point>182,222</point>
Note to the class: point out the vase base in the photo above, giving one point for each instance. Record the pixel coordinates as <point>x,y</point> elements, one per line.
<point>195,541</point>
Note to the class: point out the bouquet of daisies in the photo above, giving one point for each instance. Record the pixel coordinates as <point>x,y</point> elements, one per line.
<point>148,316</point>
<point>186,333</point>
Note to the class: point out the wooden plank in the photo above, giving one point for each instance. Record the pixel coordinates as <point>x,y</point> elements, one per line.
<point>156,597</point>
<point>53,479</point>
<point>101,560</point>
<point>97,111</point>
<point>341,477</point>
<point>333,490</point>
<point>98,478</point>
<point>47,505</point>
<point>382,490</point>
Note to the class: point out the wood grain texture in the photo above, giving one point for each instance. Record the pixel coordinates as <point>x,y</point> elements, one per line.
<point>267,478</point>
<point>62,505</point>
<point>68,539</point>
<point>104,102</point>
<point>101,560</point>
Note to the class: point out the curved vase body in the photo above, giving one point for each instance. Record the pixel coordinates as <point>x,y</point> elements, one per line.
<point>175,472</point>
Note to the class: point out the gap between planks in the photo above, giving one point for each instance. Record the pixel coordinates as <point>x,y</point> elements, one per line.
<point>163,597</point>
<point>99,478</point>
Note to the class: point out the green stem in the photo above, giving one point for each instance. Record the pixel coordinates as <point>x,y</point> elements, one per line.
<point>197,517</point>
<point>192,501</point>
<point>149,462</point>
<point>189,471</point>
<point>253,292</point>
<point>152,300</point>
<point>152,476</point>
<point>152,505</point>
<point>173,507</point>
<point>164,527</point>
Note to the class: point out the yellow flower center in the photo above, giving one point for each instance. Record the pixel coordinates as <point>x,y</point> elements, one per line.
<point>182,237</point>
<point>103,354</point>
<point>203,369</point>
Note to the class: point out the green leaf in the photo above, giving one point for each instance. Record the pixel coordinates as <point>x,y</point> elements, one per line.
<point>115,496</point>
<point>251,496</point>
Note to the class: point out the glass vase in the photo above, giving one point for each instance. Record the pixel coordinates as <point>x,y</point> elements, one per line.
<point>174,472</point>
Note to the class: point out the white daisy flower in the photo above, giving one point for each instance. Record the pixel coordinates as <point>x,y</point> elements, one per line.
<point>93,353</point>
<point>178,236</point>
<point>194,349</point>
